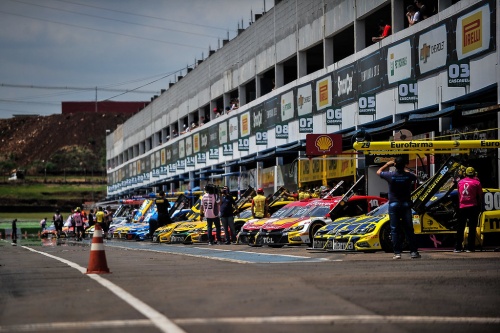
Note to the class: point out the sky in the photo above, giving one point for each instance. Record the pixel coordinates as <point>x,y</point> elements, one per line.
<point>121,50</point>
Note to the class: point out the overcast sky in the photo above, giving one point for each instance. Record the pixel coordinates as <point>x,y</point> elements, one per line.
<point>109,44</point>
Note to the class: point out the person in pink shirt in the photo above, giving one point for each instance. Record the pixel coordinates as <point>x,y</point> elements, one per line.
<point>209,208</point>
<point>470,193</point>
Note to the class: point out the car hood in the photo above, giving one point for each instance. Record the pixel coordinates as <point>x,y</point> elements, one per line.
<point>283,223</point>
<point>255,224</point>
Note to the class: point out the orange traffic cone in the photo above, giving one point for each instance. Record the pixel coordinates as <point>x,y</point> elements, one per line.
<point>97,261</point>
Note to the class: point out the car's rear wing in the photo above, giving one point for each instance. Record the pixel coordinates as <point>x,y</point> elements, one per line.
<point>347,195</point>
<point>178,204</point>
<point>426,191</point>
<point>244,198</point>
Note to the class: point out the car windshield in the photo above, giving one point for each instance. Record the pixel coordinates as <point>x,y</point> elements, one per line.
<point>285,211</point>
<point>303,212</point>
<point>320,211</point>
<point>245,214</point>
<point>383,209</point>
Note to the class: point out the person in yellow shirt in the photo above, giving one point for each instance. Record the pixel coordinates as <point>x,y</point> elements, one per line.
<point>259,205</point>
<point>99,216</point>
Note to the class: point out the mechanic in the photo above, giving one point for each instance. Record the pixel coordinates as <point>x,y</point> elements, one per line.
<point>470,193</point>
<point>209,208</point>
<point>259,205</point>
<point>58,222</point>
<point>227,209</point>
<point>99,217</point>
<point>162,206</point>
<point>401,183</point>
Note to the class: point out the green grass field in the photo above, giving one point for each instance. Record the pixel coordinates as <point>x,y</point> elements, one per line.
<point>38,191</point>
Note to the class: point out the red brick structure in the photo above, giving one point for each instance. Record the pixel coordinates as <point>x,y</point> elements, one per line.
<point>102,107</point>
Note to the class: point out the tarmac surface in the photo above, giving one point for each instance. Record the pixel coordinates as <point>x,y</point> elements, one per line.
<point>237,288</point>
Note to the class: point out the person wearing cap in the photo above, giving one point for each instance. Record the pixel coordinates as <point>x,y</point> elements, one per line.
<point>58,222</point>
<point>259,205</point>
<point>162,207</point>
<point>401,183</point>
<point>470,193</point>
<point>99,216</point>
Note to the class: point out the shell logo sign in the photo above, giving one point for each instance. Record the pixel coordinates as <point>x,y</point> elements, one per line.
<point>323,144</point>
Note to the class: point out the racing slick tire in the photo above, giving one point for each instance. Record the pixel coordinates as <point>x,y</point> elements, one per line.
<point>386,238</point>
<point>312,230</point>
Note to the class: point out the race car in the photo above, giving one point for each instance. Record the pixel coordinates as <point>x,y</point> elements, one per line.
<point>250,229</point>
<point>301,227</point>
<point>434,220</point>
<point>435,228</point>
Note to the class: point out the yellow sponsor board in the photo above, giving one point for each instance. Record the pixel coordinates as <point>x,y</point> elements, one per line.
<point>471,34</point>
<point>426,145</point>
<point>322,169</point>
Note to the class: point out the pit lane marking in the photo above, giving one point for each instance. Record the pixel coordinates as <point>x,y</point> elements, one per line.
<point>298,320</point>
<point>156,318</point>
<point>240,257</point>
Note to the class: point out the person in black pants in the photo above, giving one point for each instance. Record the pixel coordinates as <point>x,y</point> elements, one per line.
<point>227,208</point>
<point>162,207</point>
<point>401,183</point>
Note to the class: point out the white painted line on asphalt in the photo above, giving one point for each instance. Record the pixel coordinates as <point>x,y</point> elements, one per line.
<point>70,326</point>
<point>295,320</point>
<point>159,320</point>
<point>361,319</point>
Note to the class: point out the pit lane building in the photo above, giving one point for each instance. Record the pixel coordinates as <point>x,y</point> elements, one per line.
<point>311,67</point>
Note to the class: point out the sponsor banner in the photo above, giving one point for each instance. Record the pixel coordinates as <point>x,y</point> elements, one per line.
<point>324,93</point>
<point>158,158</point>
<point>304,108</point>
<point>258,123</point>
<point>473,32</point>
<point>304,100</point>
<point>399,62</point>
<point>233,128</point>
<point>223,133</point>
<point>267,177</point>
<point>340,168</point>
<point>244,124</point>
<point>213,136</point>
<point>196,143</point>
<point>432,52</point>
<point>189,145</point>
<point>370,73</point>
<point>323,144</point>
<point>175,152</point>
<point>287,112</point>
<point>168,154</point>
<point>408,91</point>
<point>311,170</point>
<point>182,149</point>
<point>271,116</point>
<point>204,135</point>
<point>137,167</point>
<point>344,85</point>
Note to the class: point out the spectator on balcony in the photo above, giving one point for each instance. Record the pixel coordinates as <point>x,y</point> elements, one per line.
<point>412,15</point>
<point>422,9</point>
<point>384,29</point>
